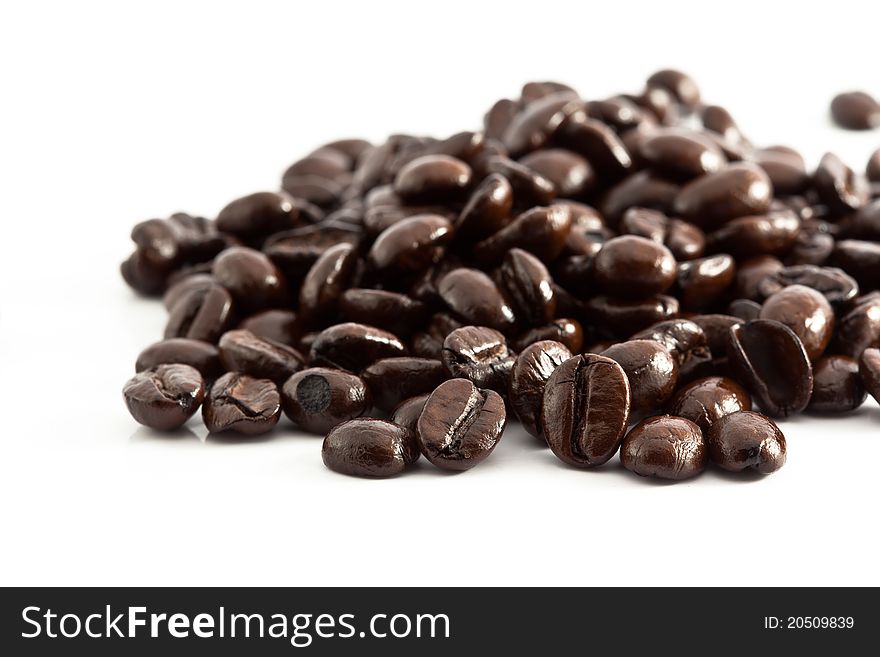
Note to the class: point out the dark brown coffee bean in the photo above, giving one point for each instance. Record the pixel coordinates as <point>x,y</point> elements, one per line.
<point>532,128</point>
<point>702,282</point>
<point>479,354</point>
<point>806,312</point>
<point>620,113</point>
<point>716,328</point>
<point>142,275</point>
<point>644,222</point>
<point>251,278</point>
<point>684,339</point>
<point>651,370</point>
<point>391,311</point>
<point>860,259</point>
<point>707,400</point>
<point>771,360</point>
<point>529,287</point>
<point>328,278</point>
<point>242,351</point>
<point>751,273</point>
<point>744,309</point>
<point>864,224</point>
<point>585,410</point>
<point>487,211</point>
<point>596,142</point>
<point>787,172</point>
<point>838,186</point>
<point>873,168</point>
<point>369,448</point>
<point>429,343</point>
<point>681,154</point>
<point>323,163</point>
<point>499,117</point>
<point>813,246</point>
<point>855,110</point>
<point>530,373</point>
<point>837,386</point>
<point>771,234</point>
<point>392,380</point>
<point>294,252</point>
<point>433,178</point>
<point>746,440</point>
<point>354,347</point>
<point>534,91</point>
<point>680,85</point>
<point>278,325</point>
<point>184,286</point>
<point>665,447</point>
<point>460,425</point>
<point>407,413</point>
<point>859,328</point>
<point>634,267</point>
<point>834,284</point>
<point>203,356</point>
<point>529,187</point>
<point>201,315</point>
<point>314,189</point>
<point>718,120</point>
<point>541,231</point>
<point>739,190</point>
<point>869,370</point>
<point>620,317</point>
<point>473,297</point>
<point>571,175</point>
<point>318,399</point>
<point>258,214</point>
<point>568,332</point>
<point>164,397</point>
<point>644,189</point>
<point>242,404</point>
<point>412,244</point>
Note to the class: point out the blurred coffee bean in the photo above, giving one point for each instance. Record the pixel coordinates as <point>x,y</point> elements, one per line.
<point>838,186</point>
<point>330,276</point>
<point>869,370</point>
<point>571,174</point>
<point>680,154</point>
<point>836,285</point>
<point>487,211</point>
<point>680,85</point>
<point>738,190</point>
<point>855,110</point>
<point>433,178</point>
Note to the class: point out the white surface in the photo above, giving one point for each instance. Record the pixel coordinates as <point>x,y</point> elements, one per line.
<point>112,114</point>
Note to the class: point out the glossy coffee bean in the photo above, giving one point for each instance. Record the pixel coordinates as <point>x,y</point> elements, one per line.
<point>738,190</point>
<point>718,120</point>
<point>201,315</point>
<point>242,404</point>
<point>620,113</point>
<point>869,370</point>
<point>860,259</point>
<point>751,273</point>
<point>864,224</point>
<point>487,211</point>
<point>665,447</point>
<point>585,410</point>
<point>644,189</point>
<point>707,400</point>
<point>744,309</point>
<point>392,380</point>
<point>460,425</point>
<point>164,397</point>
<point>644,222</point>
<point>682,87</point>
<point>251,278</point>
<point>499,118</point>
<point>859,328</point>
<point>407,413</point>
<point>203,356</point>
<point>369,448</point>
<point>277,325</point>
<point>474,298</point>
<point>390,311</point>
<point>837,386</point>
<point>684,339</point>
<point>242,351</point>
<point>529,187</point>
<point>872,171</point>
<point>529,375</point>
<point>838,186</point>
<point>855,110</point>
<point>480,354</point>
<point>184,286</point>
<point>433,178</point>
<point>771,360</point>
<point>354,347</point>
<point>680,154</point>
<point>537,90</point>
<point>651,370</point>
<point>541,231</point>
<point>571,174</point>
<point>257,214</point>
<point>598,144</point>
<point>634,267</point>
<point>787,172</point>
<point>620,317</point>
<point>716,328</point>
<point>532,128</point>
<point>567,332</point>
<point>838,287</point>
<point>527,284</point>
<point>806,312</point>
<point>328,278</point>
<point>746,441</point>
<point>770,234</point>
<point>702,282</point>
<point>412,244</point>
<point>429,343</point>
<point>318,399</point>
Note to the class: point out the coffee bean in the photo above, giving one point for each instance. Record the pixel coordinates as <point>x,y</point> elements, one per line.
<point>277,325</point>
<point>751,273</point>
<point>680,154</point>
<point>738,190</point>
<point>806,312</point>
<point>652,372</point>
<point>718,120</point>
<point>746,441</point>
<point>326,281</point>
<point>390,311</point>
<point>538,122</point>
<point>859,328</point>
<point>369,448</point>
<point>834,284</point>
<point>620,317</point>
<point>860,259</point>
<point>203,356</point>
<point>702,282</point>
<point>407,413</point>
<point>571,174</point>
<point>855,110</point>
<point>487,211</point>
<point>771,234</point>
<point>644,189</point>
<point>242,404</point>
<point>634,267</point>
<point>412,244</point>
<point>869,370</point>
<point>680,85</point>
<point>164,397</point>
<point>184,286</point>
<point>837,386</point>
<point>354,347</point>
<point>142,275</point>
<point>873,168</point>
<point>838,186</point>
<point>596,142</point>
<point>787,172</point>
<point>529,187</point>
<point>541,231</point>
<point>744,309</point>
<point>665,447</point>
<point>684,339</point>
<point>479,354</point>
<point>429,343</point>
<point>773,363</point>
<point>203,314</point>
<point>864,224</point>
<point>460,425</point>
<point>392,380</point>
<point>251,278</point>
<point>318,399</point>
<point>473,297</point>
<point>499,117</point>
<point>529,287</point>
<point>258,214</point>
<point>707,400</point>
<point>585,410</point>
<point>568,332</point>
<point>528,377</point>
<point>242,351</point>
<point>432,178</point>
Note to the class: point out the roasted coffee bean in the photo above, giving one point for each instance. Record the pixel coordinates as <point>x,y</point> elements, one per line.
<point>258,214</point>
<point>787,172</point>
<point>806,312</point>
<point>203,314</point>
<point>700,283</point>
<point>324,163</point>
<point>860,259</point>
<point>568,332</point>
<point>571,174</point>
<point>251,278</point>
<point>532,91</point>
<point>837,386</point>
<point>859,329</point>
<point>680,154</point>
<point>771,234</point>
<point>838,186</point>
<point>460,425</point>
<point>644,189</point>
<point>487,211</point>
<point>407,413</point>
<point>532,128</point>
<point>541,231</point>
<point>707,400</point>
<point>164,397</point>
<point>855,110</point>
<point>242,351</point>
<point>738,190</point>
<point>369,448</point>
<point>644,222</point>
<point>433,178</point>
<point>680,85</point>
<point>529,187</point>
<point>391,311</point>
<point>528,286</point>
<point>142,275</point>
<point>620,113</point>
<point>873,168</point>
<point>499,117</point>
<point>412,244</point>
<point>750,275</point>
<point>318,399</point>
<point>651,370</point>
<point>354,347</point>
<point>716,328</point>
<point>429,343</point>
<point>479,354</point>
<point>746,440</point>
<point>864,224</point>
<point>620,317</point>
<point>203,356</point>
<point>327,279</point>
<point>744,309</point>
<point>184,286</point>
<point>529,375</point>
<point>585,410</point>
<point>718,120</point>
<point>813,246</point>
<point>634,267</point>
<point>473,297</point>
<point>771,360</point>
<point>242,404</point>
<point>869,370</point>
<point>684,339</point>
<point>277,325</point>
<point>665,447</point>
<point>392,380</point>
<point>834,284</point>
<point>596,142</point>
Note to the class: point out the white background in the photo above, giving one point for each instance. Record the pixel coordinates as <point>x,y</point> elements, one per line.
<point>112,114</point>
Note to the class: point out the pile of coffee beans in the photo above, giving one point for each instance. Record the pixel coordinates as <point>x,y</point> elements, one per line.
<point>627,274</point>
